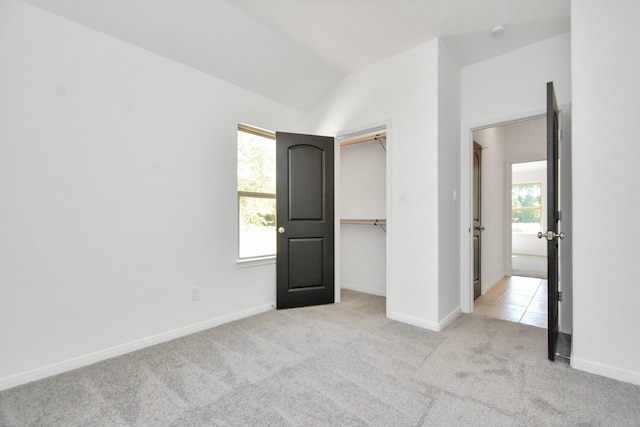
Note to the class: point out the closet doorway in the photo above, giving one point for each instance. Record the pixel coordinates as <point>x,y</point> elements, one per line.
<point>362,210</point>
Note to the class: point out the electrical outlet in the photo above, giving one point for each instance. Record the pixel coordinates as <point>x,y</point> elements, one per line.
<point>195,293</point>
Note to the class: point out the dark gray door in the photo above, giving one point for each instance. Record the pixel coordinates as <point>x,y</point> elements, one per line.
<point>477,224</point>
<point>553,217</point>
<point>304,187</point>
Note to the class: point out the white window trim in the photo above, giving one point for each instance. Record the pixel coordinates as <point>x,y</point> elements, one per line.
<point>255,262</point>
<point>265,259</point>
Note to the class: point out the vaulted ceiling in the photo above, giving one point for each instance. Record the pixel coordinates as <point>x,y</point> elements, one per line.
<point>295,51</point>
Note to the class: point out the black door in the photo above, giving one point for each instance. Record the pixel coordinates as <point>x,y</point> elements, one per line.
<point>553,218</point>
<point>477,224</point>
<point>304,187</point>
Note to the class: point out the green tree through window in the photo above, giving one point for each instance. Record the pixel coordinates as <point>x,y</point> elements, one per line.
<point>526,207</point>
<point>256,192</point>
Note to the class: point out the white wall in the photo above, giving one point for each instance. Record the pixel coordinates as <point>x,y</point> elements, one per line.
<point>502,89</point>
<point>448,185</point>
<point>606,107</point>
<point>526,141</point>
<point>402,93</point>
<point>363,192</point>
<point>513,86</point>
<point>117,185</point>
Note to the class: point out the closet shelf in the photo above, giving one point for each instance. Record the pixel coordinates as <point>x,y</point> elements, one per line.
<point>381,222</point>
<point>364,221</point>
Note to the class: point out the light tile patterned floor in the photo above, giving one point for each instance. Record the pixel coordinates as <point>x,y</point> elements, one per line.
<point>517,299</point>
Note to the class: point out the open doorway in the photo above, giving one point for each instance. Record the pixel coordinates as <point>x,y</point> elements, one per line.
<point>362,208</point>
<point>509,290</point>
<point>528,218</point>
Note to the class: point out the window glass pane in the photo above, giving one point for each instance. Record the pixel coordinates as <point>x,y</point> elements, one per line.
<point>526,195</point>
<point>256,192</point>
<point>526,208</point>
<point>257,227</point>
<point>256,163</point>
<point>527,216</point>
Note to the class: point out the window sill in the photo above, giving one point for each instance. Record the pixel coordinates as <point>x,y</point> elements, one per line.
<point>256,262</point>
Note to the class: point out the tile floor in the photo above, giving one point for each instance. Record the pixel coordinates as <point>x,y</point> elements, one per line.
<point>517,299</point>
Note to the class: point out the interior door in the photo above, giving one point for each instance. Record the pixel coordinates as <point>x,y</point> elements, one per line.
<point>305,218</point>
<point>553,218</point>
<point>477,224</point>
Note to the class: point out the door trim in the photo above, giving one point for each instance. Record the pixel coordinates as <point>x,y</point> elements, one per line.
<point>466,208</point>
<point>345,133</point>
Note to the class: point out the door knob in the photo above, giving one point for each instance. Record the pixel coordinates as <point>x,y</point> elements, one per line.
<point>281,230</point>
<point>550,235</point>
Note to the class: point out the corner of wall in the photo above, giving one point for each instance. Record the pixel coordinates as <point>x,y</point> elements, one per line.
<point>449,180</point>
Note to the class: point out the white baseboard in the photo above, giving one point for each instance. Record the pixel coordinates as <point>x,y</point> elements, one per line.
<point>421,323</point>
<point>605,370</point>
<point>450,318</point>
<point>98,356</point>
<point>432,326</point>
<point>365,289</point>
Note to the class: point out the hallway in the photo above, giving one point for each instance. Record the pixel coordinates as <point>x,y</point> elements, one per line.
<point>529,266</point>
<point>517,299</point>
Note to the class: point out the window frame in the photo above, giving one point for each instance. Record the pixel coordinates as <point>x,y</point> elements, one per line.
<point>258,259</point>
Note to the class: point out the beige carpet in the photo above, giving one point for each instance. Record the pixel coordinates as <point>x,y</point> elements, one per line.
<point>335,365</point>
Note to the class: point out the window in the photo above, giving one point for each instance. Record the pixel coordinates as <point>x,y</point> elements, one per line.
<point>526,208</point>
<point>256,192</point>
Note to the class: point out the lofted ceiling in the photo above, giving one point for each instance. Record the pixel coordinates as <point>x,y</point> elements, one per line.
<point>295,51</point>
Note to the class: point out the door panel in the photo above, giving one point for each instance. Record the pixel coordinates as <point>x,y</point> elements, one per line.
<point>305,191</point>
<point>306,201</point>
<point>553,218</point>
<point>305,263</point>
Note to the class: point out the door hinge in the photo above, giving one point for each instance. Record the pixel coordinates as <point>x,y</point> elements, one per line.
<point>558,216</point>
<point>559,296</point>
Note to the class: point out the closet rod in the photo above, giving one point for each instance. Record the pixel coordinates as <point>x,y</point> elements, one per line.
<point>365,139</point>
<point>363,221</point>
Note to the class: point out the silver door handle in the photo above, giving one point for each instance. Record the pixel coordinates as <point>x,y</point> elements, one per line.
<point>550,235</point>
<point>281,230</point>
<point>480,228</point>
